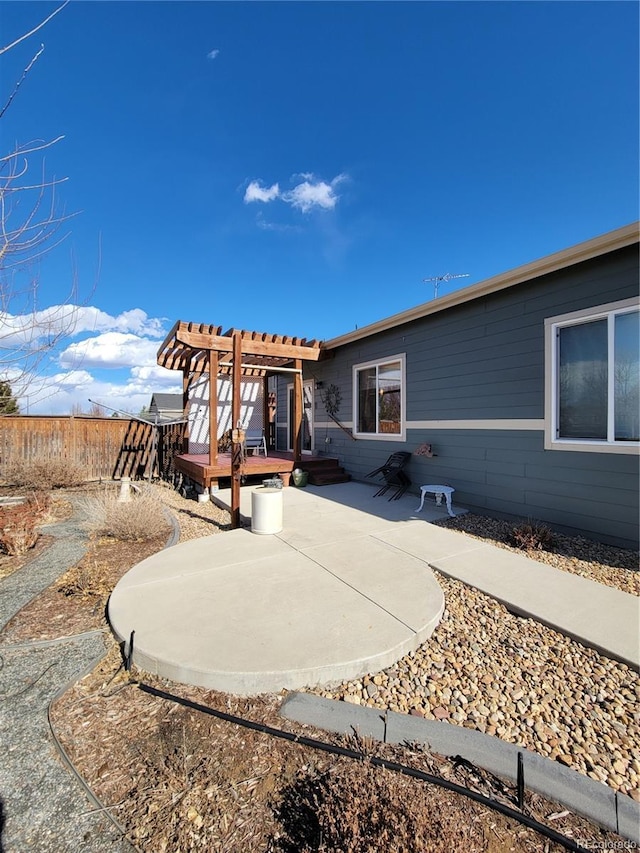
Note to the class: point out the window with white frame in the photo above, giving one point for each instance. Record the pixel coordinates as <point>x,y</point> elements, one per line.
<point>378,393</point>
<point>596,376</point>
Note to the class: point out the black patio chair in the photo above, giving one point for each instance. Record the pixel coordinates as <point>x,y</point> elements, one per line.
<point>393,475</point>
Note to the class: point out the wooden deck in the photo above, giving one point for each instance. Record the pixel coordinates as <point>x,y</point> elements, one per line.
<point>197,468</point>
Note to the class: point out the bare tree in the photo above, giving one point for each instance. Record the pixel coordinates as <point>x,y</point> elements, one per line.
<point>31,226</point>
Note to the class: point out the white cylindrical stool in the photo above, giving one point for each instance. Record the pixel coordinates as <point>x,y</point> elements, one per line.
<point>266,510</point>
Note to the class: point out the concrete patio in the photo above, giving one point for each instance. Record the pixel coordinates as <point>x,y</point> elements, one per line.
<point>344,589</point>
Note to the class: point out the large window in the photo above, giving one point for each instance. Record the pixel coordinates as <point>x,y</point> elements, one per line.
<point>379,398</point>
<point>596,376</point>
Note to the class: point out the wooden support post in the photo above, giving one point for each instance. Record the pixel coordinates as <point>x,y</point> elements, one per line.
<point>213,407</point>
<point>297,412</point>
<point>185,409</point>
<point>236,447</point>
<point>265,406</point>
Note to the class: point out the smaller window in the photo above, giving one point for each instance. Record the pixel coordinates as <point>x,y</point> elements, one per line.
<point>379,399</point>
<point>596,383</point>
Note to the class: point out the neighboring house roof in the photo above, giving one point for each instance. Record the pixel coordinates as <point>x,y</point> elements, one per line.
<point>164,408</point>
<point>618,239</point>
<point>166,403</point>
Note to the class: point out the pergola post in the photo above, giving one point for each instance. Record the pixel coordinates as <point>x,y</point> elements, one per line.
<point>265,408</point>
<point>297,412</point>
<point>213,407</point>
<point>236,414</point>
<point>185,409</point>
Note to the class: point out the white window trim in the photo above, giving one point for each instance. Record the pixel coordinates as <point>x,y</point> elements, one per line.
<point>382,436</point>
<point>586,445</point>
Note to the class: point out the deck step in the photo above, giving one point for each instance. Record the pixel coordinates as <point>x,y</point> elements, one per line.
<point>326,472</point>
<point>329,478</point>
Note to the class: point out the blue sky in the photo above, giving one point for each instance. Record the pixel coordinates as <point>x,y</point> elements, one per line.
<point>300,168</point>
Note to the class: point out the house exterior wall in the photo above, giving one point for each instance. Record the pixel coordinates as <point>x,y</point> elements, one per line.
<point>475,390</point>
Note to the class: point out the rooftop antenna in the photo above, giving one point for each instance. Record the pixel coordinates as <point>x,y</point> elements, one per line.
<point>436,279</point>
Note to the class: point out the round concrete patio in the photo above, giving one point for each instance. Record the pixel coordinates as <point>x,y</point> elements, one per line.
<point>322,601</point>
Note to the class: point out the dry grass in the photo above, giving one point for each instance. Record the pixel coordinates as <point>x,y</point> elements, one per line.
<point>358,808</point>
<point>140,519</point>
<point>45,473</point>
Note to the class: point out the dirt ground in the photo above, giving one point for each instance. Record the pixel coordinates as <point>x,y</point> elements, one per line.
<point>176,779</point>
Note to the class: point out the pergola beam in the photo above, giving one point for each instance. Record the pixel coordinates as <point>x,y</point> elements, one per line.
<point>250,346</point>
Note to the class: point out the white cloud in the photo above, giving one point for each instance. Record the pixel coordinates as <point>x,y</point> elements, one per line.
<point>311,193</point>
<point>155,374</point>
<point>69,320</point>
<point>72,380</point>
<point>110,350</point>
<point>112,359</point>
<point>60,393</point>
<point>213,54</point>
<point>89,319</point>
<point>29,330</point>
<point>308,194</point>
<point>256,192</point>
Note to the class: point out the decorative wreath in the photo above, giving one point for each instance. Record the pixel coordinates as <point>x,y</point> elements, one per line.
<point>332,400</point>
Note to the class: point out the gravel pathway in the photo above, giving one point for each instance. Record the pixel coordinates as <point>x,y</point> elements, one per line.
<point>20,587</point>
<point>42,806</point>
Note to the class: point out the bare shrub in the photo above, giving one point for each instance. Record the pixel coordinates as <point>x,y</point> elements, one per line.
<point>18,524</point>
<point>141,518</point>
<point>358,808</point>
<point>87,581</point>
<point>533,536</point>
<point>45,473</point>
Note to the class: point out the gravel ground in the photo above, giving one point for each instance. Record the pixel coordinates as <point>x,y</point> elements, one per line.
<point>21,586</point>
<point>615,567</point>
<point>195,519</point>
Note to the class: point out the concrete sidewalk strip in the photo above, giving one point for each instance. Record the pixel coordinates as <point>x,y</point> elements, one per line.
<point>596,615</point>
<point>550,779</point>
<point>602,617</point>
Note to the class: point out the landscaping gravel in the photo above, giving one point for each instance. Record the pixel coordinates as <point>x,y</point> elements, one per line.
<point>490,670</point>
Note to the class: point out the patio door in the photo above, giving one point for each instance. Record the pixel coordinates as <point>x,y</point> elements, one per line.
<point>307,416</point>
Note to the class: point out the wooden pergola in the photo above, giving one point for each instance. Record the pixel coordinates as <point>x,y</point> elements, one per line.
<point>196,349</point>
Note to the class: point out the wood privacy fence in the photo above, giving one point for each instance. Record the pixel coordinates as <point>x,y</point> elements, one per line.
<point>105,448</point>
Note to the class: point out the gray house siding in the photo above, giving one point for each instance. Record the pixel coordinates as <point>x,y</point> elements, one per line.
<point>484,360</point>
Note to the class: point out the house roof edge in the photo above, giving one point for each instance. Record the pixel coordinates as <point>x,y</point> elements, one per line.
<point>593,248</point>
